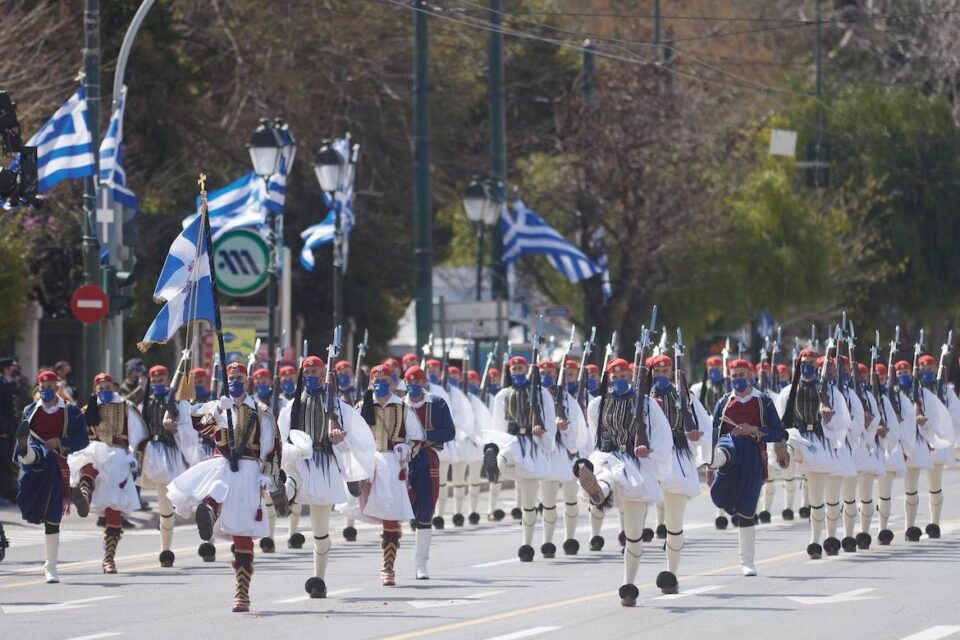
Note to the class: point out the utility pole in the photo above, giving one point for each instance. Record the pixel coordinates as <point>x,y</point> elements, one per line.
<point>588,207</point>
<point>91,248</point>
<point>818,171</point>
<point>498,144</point>
<point>422,214</point>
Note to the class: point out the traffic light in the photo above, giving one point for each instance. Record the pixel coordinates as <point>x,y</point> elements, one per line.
<point>114,283</point>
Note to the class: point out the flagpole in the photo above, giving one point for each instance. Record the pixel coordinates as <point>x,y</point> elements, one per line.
<point>92,346</point>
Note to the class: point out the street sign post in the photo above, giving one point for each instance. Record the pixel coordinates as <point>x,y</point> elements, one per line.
<point>89,304</point>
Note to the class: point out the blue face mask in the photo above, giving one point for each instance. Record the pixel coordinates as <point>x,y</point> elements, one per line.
<point>518,379</point>
<point>200,392</point>
<point>620,387</point>
<point>661,383</point>
<point>159,390</point>
<point>546,380</point>
<point>784,384</point>
<point>311,384</point>
<point>716,376</point>
<point>414,390</point>
<point>396,379</point>
<point>808,370</point>
<point>474,388</point>
<point>289,387</point>
<point>905,381</point>
<point>434,378</point>
<point>493,387</point>
<point>344,380</point>
<point>572,388</point>
<point>381,388</point>
<point>454,383</point>
<point>47,395</point>
<point>926,377</point>
<point>592,385</point>
<point>263,390</point>
<point>106,396</point>
<point>235,388</point>
<point>741,384</point>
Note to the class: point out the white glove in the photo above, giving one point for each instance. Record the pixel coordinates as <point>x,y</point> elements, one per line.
<point>403,452</point>
<point>225,403</point>
<point>266,482</point>
<point>132,460</point>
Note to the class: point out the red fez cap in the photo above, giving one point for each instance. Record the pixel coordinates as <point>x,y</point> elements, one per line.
<point>809,353</point>
<point>414,373</point>
<point>880,368</point>
<point>409,357</point>
<point>236,367</point>
<point>662,360</point>
<point>493,373</point>
<point>381,370</point>
<point>862,368</point>
<point>926,359</point>
<point>765,366</point>
<point>714,361</point>
<point>287,370</point>
<point>341,364</point>
<point>740,363</point>
<point>618,365</point>
<point>453,371</point>
<point>592,368</point>
<point>199,372</point>
<point>517,361</point>
<point>311,361</point>
<point>546,364</point>
<point>902,364</point>
<point>102,377</point>
<point>647,363</point>
<point>571,364</point>
<point>433,362</point>
<point>473,375</point>
<point>157,370</point>
<point>393,363</point>
<point>47,376</point>
<point>782,368</point>
<point>261,373</point>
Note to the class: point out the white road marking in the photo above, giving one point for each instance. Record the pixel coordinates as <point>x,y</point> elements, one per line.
<point>934,633</point>
<point>526,633</point>
<point>690,592</point>
<point>495,563</point>
<point>337,592</point>
<point>11,609</point>
<point>450,602</point>
<point>98,635</point>
<point>847,596</point>
<point>221,546</point>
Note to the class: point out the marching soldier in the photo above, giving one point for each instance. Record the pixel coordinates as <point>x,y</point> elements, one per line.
<point>869,454</point>
<point>465,472</point>
<point>621,472</point>
<point>288,385</point>
<point>448,455</point>
<point>263,385</point>
<point>323,454</point>
<point>715,386</point>
<point>494,512</point>
<point>201,385</point>
<point>745,421</point>
<point>345,381</point>
<point>481,419</point>
<point>522,440</point>
<point>49,431</point>
<point>102,472</point>
<point>227,489</point>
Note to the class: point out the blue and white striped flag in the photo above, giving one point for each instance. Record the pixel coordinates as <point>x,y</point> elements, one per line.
<point>603,262</point>
<point>527,233</point>
<point>322,233</point>
<point>111,158</point>
<point>184,286</point>
<point>64,145</point>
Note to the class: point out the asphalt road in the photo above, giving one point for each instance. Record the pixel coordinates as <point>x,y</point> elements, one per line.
<point>479,590</point>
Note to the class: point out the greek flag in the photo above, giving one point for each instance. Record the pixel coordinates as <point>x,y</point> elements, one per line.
<point>322,233</point>
<point>64,145</point>
<point>184,286</point>
<point>527,233</point>
<point>111,158</point>
<point>603,262</point>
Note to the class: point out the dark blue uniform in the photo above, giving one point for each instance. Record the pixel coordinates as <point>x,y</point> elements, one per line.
<point>424,469</point>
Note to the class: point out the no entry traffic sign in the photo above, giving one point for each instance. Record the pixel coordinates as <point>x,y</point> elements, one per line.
<point>89,304</point>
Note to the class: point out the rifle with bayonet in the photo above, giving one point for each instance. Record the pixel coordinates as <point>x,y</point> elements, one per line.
<point>427,351</point>
<point>725,358</point>
<point>252,366</point>
<point>445,363</point>
<point>916,395</point>
<point>484,392</point>
<point>943,368</point>
<point>582,371</point>
<point>609,353</point>
<point>875,386</point>
<point>506,379</point>
<point>641,382</point>
<point>171,407</point>
<point>683,389</point>
<point>536,399</point>
<point>892,390</point>
<point>361,354</point>
<point>560,397</point>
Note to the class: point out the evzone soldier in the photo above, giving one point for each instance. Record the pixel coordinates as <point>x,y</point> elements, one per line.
<point>709,391</point>
<point>934,434</point>
<point>625,470</point>
<point>468,446</point>
<point>449,454</point>
<point>481,421</point>
<point>948,410</point>
<point>201,385</point>
<point>323,455</point>
<point>692,440</point>
<point>49,431</point>
<point>820,421</point>
<point>744,422</point>
<point>494,512</point>
<point>346,383</point>
<point>288,385</point>
<point>571,445</point>
<point>869,455</point>
<point>775,471</point>
<point>894,445</point>
<point>227,489</point>
<point>520,445</point>
<point>407,434</point>
<point>103,470</point>
<point>166,452</point>
<point>846,442</point>
<point>263,385</point>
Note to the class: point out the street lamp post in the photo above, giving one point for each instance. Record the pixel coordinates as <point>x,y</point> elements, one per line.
<point>266,147</point>
<point>480,204</point>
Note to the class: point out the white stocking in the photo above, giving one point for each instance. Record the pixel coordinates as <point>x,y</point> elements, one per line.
<point>548,497</point>
<point>884,498</point>
<point>935,486</point>
<point>473,480</point>
<point>832,496</point>
<point>865,493</point>
<point>816,486</point>
<point>634,517</point>
<point>320,523</point>
<point>911,482</point>
<point>528,491</point>
<point>674,505</point>
<point>441,507</point>
<point>571,508</point>
<point>166,517</point>
<point>848,490</point>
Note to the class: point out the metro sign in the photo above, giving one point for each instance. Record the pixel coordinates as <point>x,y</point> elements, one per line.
<point>242,259</point>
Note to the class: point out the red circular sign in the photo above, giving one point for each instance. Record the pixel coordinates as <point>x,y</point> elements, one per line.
<point>89,304</point>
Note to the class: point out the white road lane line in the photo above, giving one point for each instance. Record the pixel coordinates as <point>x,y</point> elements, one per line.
<point>434,603</point>
<point>495,563</point>
<point>95,636</point>
<point>336,592</point>
<point>934,633</point>
<point>526,633</point>
<point>11,609</point>
<point>690,592</point>
<point>854,595</point>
